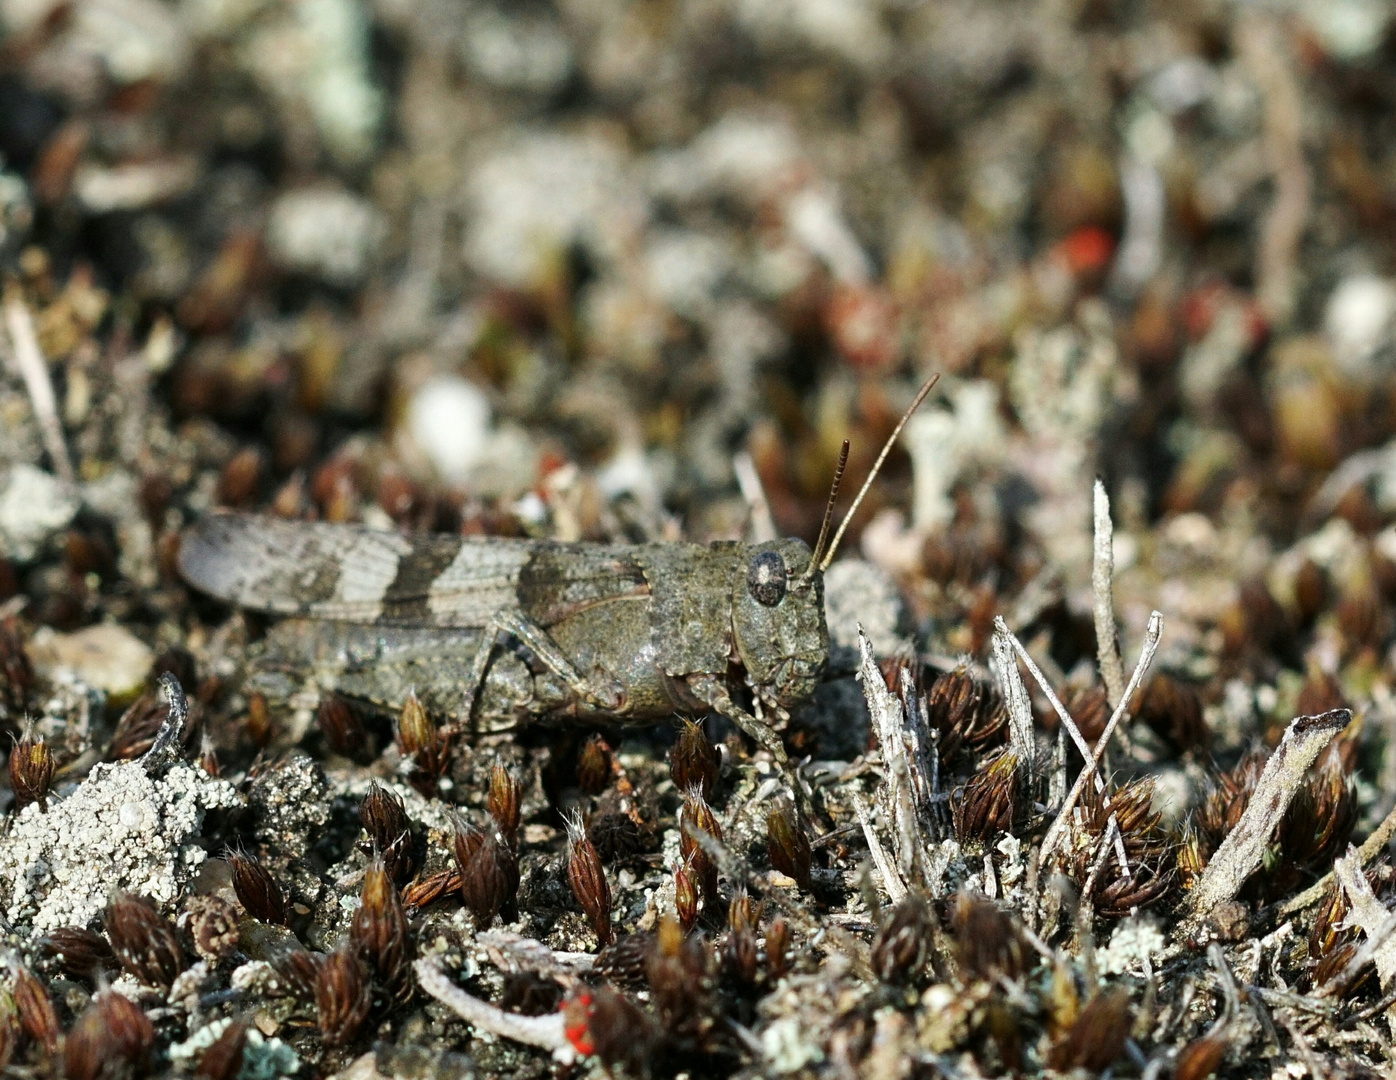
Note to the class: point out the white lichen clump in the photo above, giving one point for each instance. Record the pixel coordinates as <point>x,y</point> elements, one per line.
<point>120,829</point>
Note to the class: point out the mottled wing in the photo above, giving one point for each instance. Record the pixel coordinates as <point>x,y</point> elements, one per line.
<point>351,574</point>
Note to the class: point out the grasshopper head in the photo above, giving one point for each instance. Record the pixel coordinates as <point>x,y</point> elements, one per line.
<point>778,624</point>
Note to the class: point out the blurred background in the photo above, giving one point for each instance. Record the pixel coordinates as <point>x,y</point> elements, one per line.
<point>635,268</point>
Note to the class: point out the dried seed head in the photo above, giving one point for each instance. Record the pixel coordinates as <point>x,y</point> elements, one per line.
<point>489,873</point>
<point>685,897</point>
<point>420,740</point>
<point>258,722</point>
<point>986,938</point>
<point>144,940</point>
<point>985,806</point>
<point>379,932</point>
<point>213,924</point>
<point>1201,1057</point>
<point>208,756</point>
<point>966,714</point>
<point>298,970</point>
<point>615,834</point>
<point>777,948</point>
<point>587,879</point>
<point>505,802</point>
<point>1227,798</point>
<point>743,912</point>
<point>16,672</point>
<point>903,942</point>
<point>139,725</point>
<point>679,973</point>
<point>240,478</point>
<point>31,770</point>
<point>35,1009</point>
<point>342,997</point>
<point>594,766</point>
<point>384,819</point>
<point>788,845</point>
<point>112,1033</point>
<point>80,954</point>
<point>256,889</point>
<point>1098,1037</point>
<point>694,763</point>
<point>623,961</point>
<point>1192,860</point>
<point>343,730</point>
<point>1090,709</point>
<point>696,819</point>
<point>222,1060</point>
<point>423,891</point>
<point>741,957</point>
<point>1173,711</point>
<point>621,1034</point>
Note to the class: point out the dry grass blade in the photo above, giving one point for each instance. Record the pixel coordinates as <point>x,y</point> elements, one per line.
<point>1112,668</point>
<point>24,347</point>
<point>1369,913</point>
<point>545,1032</point>
<point>1244,847</point>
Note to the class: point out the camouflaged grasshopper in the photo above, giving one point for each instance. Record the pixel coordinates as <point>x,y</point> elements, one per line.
<point>496,631</point>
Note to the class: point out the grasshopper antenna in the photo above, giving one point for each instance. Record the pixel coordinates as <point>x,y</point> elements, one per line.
<point>828,513</point>
<point>823,564</point>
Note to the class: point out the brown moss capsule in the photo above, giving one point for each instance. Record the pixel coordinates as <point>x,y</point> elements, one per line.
<point>31,770</point>
<point>80,953</point>
<point>903,941</point>
<point>419,740</point>
<point>222,1060</point>
<point>1173,711</point>
<point>986,938</point>
<point>741,957</point>
<point>694,761</point>
<point>240,478</point>
<point>16,672</point>
<point>258,721</point>
<point>144,940</point>
<point>1090,709</point>
<point>342,997</point>
<point>489,873</point>
<point>615,834</point>
<point>1201,1057</point>
<point>697,820</point>
<point>788,845</point>
<point>777,948</point>
<point>139,725</point>
<point>594,766</point>
<point>423,891</point>
<point>298,971</point>
<point>343,730</point>
<point>213,924</point>
<point>587,879</point>
<point>685,897</point>
<point>384,819</point>
<point>505,802</point>
<point>623,961</point>
<point>379,932</point>
<point>679,973</point>
<point>966,714</point>
<point>984,807</point>
<point>35,1010</point>
<point>1098,1037</point>
<point>112,1033</point>
<point>257,890</point>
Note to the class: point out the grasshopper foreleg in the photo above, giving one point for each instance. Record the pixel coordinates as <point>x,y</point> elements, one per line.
<point>603,693</point>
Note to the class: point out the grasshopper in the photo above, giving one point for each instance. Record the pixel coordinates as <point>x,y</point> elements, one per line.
<point>499,630</point>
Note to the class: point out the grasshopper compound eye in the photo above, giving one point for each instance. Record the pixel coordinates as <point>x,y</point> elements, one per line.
<point>765,578</point>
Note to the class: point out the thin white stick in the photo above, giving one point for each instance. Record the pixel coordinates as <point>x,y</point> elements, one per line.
<point>546,1032</point>
<point>1112,668</point>
<point>891,880</point>
<point>29,358</point>
<point>763,526</point>
<point>1001,627</point>
<point>1146,657</point>
<point>1015,696</point>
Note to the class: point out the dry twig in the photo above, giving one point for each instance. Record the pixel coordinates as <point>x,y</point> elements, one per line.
<point>24,347</point>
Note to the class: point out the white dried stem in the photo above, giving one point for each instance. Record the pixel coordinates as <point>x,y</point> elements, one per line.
<point>889,724</point>
<point>1372,916</point>
<point>545,1032</point>
<point>1112,668</point>
<point>1244,847</point>
<point>1000,627</point>
<point>29,358</point>
<point>1015,696</point>
<point>1146,657</point>
<point>763,526</point>
<point>892,883</point>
